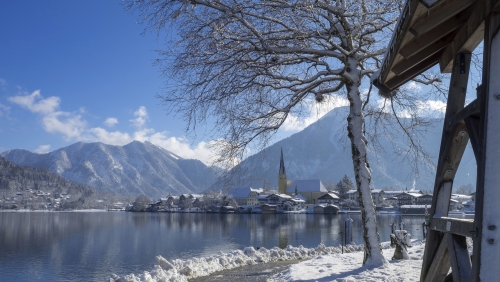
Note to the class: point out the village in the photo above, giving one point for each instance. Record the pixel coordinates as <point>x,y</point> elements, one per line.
<point>300,196</point>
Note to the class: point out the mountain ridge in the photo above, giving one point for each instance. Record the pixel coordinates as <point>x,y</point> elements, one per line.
<point>133,169</point>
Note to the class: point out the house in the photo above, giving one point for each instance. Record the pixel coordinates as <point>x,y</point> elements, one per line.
<point>424,200</point>
<point>329,198</point>
<point>311,189</point>
<point>378,196</point>
<point>392,201</point>
<point>246,196</point>
<point>278,199</point>
<point>294,204</point>
<point>407,198</point>
<point>352,195</point>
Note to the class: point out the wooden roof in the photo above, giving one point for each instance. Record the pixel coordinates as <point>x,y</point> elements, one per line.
<point>431,32</point>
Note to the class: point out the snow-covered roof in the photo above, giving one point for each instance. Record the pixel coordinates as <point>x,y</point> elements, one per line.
<point>352,191</point>
<point>299,196</point>
<point>329,196</point>
<point>244,192</point>
<point>395,192</point>
<point>376,191</point>
<point>197,196</point>
<point>309,185</point>
<point>283,196</point>
<point>415,195</point>
<point>296,200</point>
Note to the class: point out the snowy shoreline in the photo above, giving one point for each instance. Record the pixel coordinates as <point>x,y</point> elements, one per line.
<point>86,210</point>
<point>315,258</point>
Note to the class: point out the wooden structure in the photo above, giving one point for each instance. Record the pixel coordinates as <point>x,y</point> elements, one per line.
<point>445,32</point>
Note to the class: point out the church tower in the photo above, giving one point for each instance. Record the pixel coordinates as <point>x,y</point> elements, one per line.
<point>282,182</point>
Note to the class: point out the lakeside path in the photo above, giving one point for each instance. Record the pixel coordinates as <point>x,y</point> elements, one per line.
<point>335,267</point>
<point>250,273</point>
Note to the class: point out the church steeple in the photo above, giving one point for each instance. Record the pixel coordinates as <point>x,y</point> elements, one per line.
<point>282,182</point>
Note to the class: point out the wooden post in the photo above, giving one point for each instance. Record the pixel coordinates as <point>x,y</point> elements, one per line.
<point>486,252</point>
<point>450,154</point>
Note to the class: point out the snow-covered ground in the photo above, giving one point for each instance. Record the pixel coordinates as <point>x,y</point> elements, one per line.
<point>347,268</point>
<point>324,264</point>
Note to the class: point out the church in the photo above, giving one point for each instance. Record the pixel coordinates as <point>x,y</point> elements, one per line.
<point>309,190</point>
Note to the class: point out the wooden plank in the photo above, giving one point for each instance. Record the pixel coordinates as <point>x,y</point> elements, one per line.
<point>456,101</point>
<point>438,15</point>
<point>408,63</point>
<point>442,205</point>
<point>451,225</point>
<point>473,127</point>
<point>429,38</point>
<point>469,35</point>
<point>486,252</point>
<point>399,35</point>
<point>471,109</point>
<point>440,264</point>
<point>414,71</point>
<point>459,258</point>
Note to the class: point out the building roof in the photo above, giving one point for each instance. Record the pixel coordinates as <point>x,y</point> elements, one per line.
<point>283,196</point>
<point>431,32</point>
<point>244,192</point>
<point>303,186</point>
<point>329,196</point>
<point>351,191</point>
<point>415,195</point>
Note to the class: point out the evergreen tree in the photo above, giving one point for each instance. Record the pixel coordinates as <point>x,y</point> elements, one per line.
<point>343,186</point>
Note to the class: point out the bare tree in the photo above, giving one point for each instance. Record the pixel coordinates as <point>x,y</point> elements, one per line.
<point>248,65</point>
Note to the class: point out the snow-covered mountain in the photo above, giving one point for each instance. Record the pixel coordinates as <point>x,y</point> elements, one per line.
<point>322,151</point>
<point>133,169</point>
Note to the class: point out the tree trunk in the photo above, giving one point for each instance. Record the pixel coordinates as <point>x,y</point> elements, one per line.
<point>356,132</point>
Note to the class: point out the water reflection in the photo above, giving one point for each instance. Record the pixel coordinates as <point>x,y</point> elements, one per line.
<point>74,246</point>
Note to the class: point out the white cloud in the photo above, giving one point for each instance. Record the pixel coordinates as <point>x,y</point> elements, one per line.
<point>314,111</point>
<point>42,149</point>
<point>141,116</point>
<point>69,124</point>
<point>74,128</point>
<point>3,83</point>
<point>432,106</point>
<point>413,86</point>
<point>110,122</point>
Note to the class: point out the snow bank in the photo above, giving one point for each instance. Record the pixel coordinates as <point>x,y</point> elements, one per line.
<point>349,268</point>
<point>181,270</point>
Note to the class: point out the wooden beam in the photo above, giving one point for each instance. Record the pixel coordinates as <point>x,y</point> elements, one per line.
<point>456,101</point>
<point>399,34</point>
<point>470,34</point>
<point>438,15</point>
<point>440,264</point>
<point>486,252</point>
<point>459,226</point>
<point>472,109</point>
<point>459,258</point>
<point>427,39</point>
<point>473,127</point>
<point>397,81</point>
<point>408,63</point>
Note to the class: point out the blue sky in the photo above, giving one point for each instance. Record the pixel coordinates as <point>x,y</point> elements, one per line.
<point>82,71</point>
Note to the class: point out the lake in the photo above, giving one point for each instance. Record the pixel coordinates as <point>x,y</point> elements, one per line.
<point>90,246</point>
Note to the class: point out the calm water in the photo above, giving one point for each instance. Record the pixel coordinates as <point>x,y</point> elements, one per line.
<point>89,246</point>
